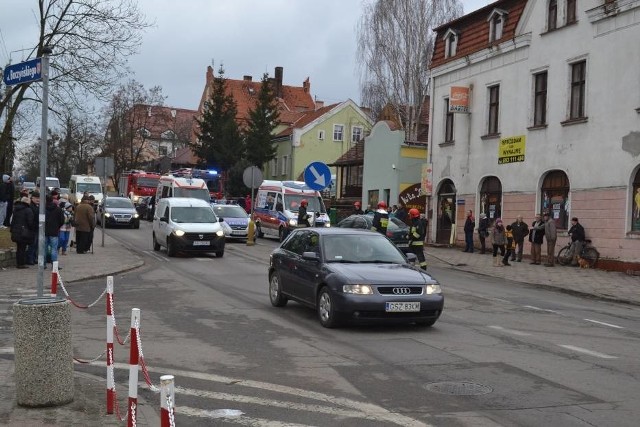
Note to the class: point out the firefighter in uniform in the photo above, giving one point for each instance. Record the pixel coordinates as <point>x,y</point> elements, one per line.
<point>417,233</point>
<point>380,219</point>
<point>303,216</point>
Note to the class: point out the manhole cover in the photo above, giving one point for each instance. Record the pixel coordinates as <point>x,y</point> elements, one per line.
<point>459,388</point>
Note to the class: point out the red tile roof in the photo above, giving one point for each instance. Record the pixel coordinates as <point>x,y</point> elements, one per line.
<point>353,156</point>
<point>159,119</point>
<point>473,30</point>
<point>305,118</point>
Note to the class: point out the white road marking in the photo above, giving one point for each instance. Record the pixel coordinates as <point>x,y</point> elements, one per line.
<point>510,331</point>
<point>589,352</point>
<point>201,259</point>
<point>7,350</point>
<point>242,420</point>
<point>604,324</point>
<point>539,309</point>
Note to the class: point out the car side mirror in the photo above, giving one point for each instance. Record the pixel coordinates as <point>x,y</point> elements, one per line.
<point>310,256</point>
<point>220,219</point>
<point>164,219</point>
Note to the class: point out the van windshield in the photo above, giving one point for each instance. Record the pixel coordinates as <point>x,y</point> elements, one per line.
<point>315,204</point>
<point>53,183</point>
<point>198,193</point>
<point>91,187</point>
<point>193,214</point>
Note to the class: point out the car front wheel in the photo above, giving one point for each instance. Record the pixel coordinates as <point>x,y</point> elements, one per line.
<point>275,291</point>
<point>156,246</point>
<point>171,248</point>
<point>326,311</point>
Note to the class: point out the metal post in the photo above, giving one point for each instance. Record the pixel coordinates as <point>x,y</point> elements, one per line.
<point>104,197</point>
<point>46,51</point>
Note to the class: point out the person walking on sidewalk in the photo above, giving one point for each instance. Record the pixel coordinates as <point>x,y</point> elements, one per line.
<point>520,231</point>
<point>21,230</point>
<point>510,244</point>
<point>53,220</point>
<point>32,247</point>
<point>577,240</point>
<point>469,226</point>
<point>417,233</point>
<point>536,235</point>
<point>551,235</point>
<point>85,222</point>
<point>5,196</point>
<point>65,230</point>
<point>483,231</point>
<point>498,240</point>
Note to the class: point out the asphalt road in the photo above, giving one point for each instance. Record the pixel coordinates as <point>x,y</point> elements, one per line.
<point>502,354</point>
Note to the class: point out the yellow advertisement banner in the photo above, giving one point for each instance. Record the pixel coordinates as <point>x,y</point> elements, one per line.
<point>511,149</point>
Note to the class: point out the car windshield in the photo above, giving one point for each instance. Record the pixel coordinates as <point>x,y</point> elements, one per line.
<point>365,247</point>
<point>148,182</point>
<point>196,193</point>
<point>119,203</point>
<point>315,204</point>
<point>29,184</point>
<point>193,214</point>
<point>229,211</point>
<point>91,187</point>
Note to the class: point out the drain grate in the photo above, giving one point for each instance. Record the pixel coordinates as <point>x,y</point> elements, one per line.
<point>459,388</point>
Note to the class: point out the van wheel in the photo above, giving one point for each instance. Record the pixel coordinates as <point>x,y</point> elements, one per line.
<point>156,246</point>
<point>220,254</point>
<point>259,232</point>
<point>171,248</point>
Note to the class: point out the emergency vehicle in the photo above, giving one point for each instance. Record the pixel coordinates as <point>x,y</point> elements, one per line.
<point>80,184</point>
<point>137,184</point>
<point>176,186</point>
<point>275,211</point>
<point>211,177</point>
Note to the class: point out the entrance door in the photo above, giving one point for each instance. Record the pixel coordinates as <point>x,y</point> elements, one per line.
<point>446,212</point>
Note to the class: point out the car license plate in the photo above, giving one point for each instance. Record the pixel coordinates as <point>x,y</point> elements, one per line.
<point>394,307</point>
<point>239,232</point>
<point>403,245</point>
<point>201,243</point>
<point>122,219</point>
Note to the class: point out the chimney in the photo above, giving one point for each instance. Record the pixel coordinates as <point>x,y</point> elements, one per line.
<point>319,104</point>
<point>306,85</point>
<point>278,77</point>
<point>247,78</point>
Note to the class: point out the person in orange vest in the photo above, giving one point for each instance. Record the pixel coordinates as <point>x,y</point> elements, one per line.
<point>381,219</point>
<point>417,233</point>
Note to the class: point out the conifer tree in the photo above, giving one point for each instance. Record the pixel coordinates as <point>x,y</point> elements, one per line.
<point>263,119</point>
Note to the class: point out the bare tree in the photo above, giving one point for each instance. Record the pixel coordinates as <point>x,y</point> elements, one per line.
<point>91,40</point>
<point>395,45</point>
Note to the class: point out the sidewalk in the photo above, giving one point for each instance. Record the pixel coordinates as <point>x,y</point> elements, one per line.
<point>605,285</point>
<point>89,404</point>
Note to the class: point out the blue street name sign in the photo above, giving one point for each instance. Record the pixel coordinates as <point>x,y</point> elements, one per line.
<point>24,72</point>
<point>317,176</point>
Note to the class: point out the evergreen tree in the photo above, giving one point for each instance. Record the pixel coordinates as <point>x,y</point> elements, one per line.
<point>220,144</point>
<point>263,119</point>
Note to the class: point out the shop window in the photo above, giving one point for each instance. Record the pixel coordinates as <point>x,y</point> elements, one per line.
<point>555,198</point>
<point>635,224</point>
<point>491,198</point>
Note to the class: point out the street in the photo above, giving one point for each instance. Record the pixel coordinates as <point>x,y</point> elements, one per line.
<point>503,353</point>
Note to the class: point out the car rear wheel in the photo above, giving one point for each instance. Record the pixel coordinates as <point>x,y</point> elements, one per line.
<point>156,246</point>
<point>171,248</point>
<point>275,291</point>
<point>326,312</point>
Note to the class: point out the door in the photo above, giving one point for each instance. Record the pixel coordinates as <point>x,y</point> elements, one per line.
<point>446,213</point>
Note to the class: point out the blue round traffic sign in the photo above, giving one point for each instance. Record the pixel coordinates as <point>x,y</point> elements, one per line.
<point>317,176</point>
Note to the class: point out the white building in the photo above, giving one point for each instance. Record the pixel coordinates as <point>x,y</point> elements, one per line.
<point>553,122</point>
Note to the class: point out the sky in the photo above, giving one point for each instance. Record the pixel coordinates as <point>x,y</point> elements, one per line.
<point>308,38</point>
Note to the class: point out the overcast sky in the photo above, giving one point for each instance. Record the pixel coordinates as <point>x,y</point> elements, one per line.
<point>308,38</point>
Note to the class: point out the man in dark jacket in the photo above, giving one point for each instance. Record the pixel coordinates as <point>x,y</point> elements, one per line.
<point>577,240</point>
<point>53,220</point>
<point>536,236</point>
<point>21,233</point>
<point>381,219</point>
<point>303,216</point>
<point>32,247</point>
<point>520,230</point>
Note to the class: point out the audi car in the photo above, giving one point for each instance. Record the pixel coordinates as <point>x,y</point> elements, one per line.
<point>118,211</point>
<point>352,276</point>
<point>236,218</point>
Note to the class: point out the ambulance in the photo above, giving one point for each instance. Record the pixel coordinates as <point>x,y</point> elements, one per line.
<point>275,211</point>
<point>176,186</point>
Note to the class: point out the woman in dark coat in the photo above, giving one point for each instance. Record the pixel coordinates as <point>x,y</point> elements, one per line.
<point>21,225</point>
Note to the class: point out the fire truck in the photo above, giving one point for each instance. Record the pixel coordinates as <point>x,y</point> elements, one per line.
<point>213,179</point>
<point>136,184</point>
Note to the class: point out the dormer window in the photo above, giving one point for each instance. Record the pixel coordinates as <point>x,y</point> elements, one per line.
<point>496,21</point>
<point>450,43</point>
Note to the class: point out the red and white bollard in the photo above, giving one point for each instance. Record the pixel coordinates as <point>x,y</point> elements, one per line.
<point>167,394</point>
<point>54,279</point>
<point>110,380</point>
<point>133,368</point>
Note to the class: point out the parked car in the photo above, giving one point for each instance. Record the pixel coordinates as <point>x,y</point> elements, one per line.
<point>64,190</point>
<point>145,207</point>
<point>236,218</point>
<point>118,211</point>
<point>397,230</point>
<point>352,275</point>
<point>28,185</point>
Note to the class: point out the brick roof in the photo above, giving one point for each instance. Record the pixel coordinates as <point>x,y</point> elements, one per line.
<point>473,30</point>
<point>159,119</point>
<point>305,118</point>
<point>353,156</point>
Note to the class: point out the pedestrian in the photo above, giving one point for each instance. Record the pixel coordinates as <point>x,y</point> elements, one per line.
<point>520,231</point>
<point>483,231</point>
<point>303,216</point>
<point>6,194</point>
<point>92,202</point>
<point>65,230</point>
<point>510,244</point>
<point>536,234</point>
<point>550,235</point>
<point>469,226</point>
<point>577,241</point>
<point>32,248</point>
<point>247,203</point>
<point>417,233</point>
<point>53,220</point>
<point>498,241</point>
<point>357,208</point>
<point>401,213</point>
<point>381,219</point>
<point>84,219</point>
<point>21,230</point>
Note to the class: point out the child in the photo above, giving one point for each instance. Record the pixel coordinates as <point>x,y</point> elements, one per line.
<point>508,234</point>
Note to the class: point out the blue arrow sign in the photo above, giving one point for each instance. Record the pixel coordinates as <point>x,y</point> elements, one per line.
<point>317,176</point>
<point>24,72</point>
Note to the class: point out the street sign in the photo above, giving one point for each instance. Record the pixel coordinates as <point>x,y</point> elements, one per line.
<point>252,177</point>
<point>24,72</point>
<point>317,176</point>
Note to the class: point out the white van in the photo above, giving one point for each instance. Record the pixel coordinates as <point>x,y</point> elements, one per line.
<point>187,224</point>
<point>51,182</point>
<point>275,210</point>
<point>78,184</point>
<point>174,186</point>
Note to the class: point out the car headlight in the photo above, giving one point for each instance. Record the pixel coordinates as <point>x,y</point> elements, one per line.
<point>293,222</point>
<point>135,215</point>
<point>433,288</point>
<point>107,214</point>
<point>327,224</point>
<point>357,289</point>
<point>179,233</point>
<point>219,233</point>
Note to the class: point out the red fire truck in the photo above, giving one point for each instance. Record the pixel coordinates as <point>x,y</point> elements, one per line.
<point>136,184</point>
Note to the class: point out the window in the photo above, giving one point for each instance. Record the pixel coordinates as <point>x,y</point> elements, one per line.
<point>356,134</point>
<point>283,166</point>
<point>450,43</point>
<point>321,135</point>
<point>338,130</point>
<point>555,198</point>
<point>571,11</point>
<point>578,84</point>
<point>540,99</point>
<point>496,24</point>
<point>635,202</point>
<point>274,167</point>
<point>162,150</point>
<point>168,134</point>
<point>494,109</point>
<point>491,198</point>
<point>552,15</point>
<point>448,125</point>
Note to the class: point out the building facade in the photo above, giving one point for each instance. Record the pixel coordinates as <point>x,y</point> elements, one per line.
<point>536,107</point>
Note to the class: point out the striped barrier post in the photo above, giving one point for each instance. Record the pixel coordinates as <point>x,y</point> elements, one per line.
<point>133,368</point>
<point>167,394</point>
<point>54,279</point>
<point>110,379</point>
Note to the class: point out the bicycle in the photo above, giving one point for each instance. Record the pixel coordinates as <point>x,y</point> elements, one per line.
<point>588,253</point>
